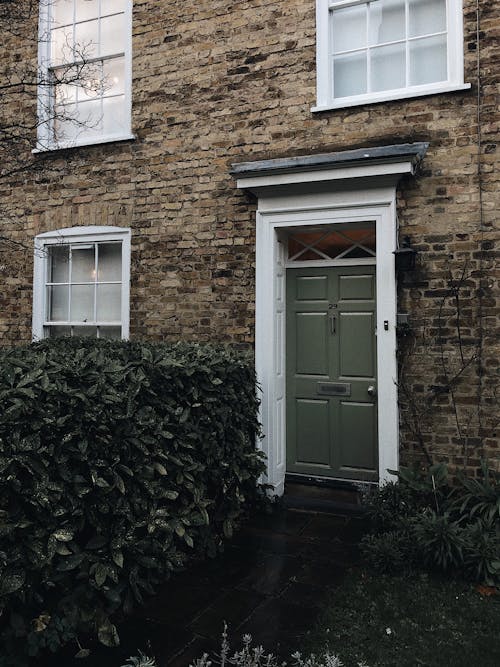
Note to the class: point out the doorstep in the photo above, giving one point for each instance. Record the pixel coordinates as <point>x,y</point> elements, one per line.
<point>312,494</point>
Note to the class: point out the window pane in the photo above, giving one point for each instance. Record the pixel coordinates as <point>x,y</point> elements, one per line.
<point>83,264</point>
<point>331,243</point>
<point>349,28</point>
<point>87,9</point>
<point>61,46</point>
<point>114,77</point>
<point>92,82</point>
<point>57,301</point>
<point>87,39</point>
<point>59,264</point>
<point>82,303</point>
<point>85,332</point>
<point>112,6</point>
<point>65,128</point>
<point>427,17</point>
<point>112,35</point>
<point>62,11</point>
<point>428,60</point>
<point>58,332</point>
<point>114,115</point>
<point>72,122</point>
<point>109,303</point>
<point>110,332</point>
<point>388,67</point>
<point>64,93</point>
<point>110,261</point>
<point>90,118</point>
<point>349,73</point>
<point>387,21</point>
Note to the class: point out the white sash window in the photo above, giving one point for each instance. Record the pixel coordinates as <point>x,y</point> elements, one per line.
<point>85,60</point>
<point>377,50</point>
<point>81,283</point>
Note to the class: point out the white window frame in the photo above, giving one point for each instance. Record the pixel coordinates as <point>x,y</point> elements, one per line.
<point>455,55</point>
<point>74,235</point>
<point>45,137</point>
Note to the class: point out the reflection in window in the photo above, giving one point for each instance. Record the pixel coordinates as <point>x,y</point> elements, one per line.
<point>87,55</point>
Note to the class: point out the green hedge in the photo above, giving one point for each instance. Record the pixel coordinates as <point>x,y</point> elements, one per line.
<point>117,462</point>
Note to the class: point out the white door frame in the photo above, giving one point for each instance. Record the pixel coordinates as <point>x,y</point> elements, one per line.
<point>281,212</point>
<point>329,188</point>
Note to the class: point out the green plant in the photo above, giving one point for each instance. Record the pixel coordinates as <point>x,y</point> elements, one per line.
<point>140,660</point>
<point>118,463</point>
<point>388,506</point>
<point>482,552</point>
<point>389,552</point>
<point>430,483</point>
<point>439,539</point>
<point>479,498</point>
<point>255,656</point>
<point>420,521</point>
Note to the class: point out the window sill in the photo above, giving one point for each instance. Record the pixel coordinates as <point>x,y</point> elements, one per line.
<point>80,144</point>
<point>389,96</point>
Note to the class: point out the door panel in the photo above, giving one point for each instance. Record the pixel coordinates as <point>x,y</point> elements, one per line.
<point>312,427</point>
<point>357,287</point>
<point>312,288</point>
<point>311,359</point>
<point>356,436</point>
<point>331,364</point>
<point>356,345</point>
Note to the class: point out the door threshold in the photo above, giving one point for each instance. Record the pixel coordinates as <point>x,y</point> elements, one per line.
<point>329,482</point>
<point>330,496</point>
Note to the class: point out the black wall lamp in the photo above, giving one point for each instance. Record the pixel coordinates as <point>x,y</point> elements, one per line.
<point>405,256</point>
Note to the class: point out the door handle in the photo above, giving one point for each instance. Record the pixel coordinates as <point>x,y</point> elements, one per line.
<point>333,317</point>
<point>371,390</point>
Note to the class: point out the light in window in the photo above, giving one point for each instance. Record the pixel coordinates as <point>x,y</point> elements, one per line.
<point>88,49</point>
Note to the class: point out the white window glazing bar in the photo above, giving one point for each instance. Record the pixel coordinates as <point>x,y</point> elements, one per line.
<point>368,51</point>
<point>340,4</point>
<point>407,43</point>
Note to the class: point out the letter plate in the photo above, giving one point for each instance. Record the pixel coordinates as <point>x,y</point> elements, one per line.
<point>334,388</point>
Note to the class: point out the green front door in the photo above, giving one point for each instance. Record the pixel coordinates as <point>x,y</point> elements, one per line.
<point>331,372</point>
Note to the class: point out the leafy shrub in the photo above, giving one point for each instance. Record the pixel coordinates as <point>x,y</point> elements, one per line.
<point>439,539</point>
<point>420,521</point>
<point>389,552</point>
<point>117,460</point>
<point>388,506</point>
<point>479,498</point>
<point>429,486</point>
<point>482,552</point>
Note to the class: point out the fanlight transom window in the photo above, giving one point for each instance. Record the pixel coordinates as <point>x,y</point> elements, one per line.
<point>336,242</point>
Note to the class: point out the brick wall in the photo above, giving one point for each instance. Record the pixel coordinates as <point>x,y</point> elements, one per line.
<point>216,83</point>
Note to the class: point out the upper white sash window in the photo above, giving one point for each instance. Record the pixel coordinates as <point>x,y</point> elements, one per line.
<point>85,60</point>
<point>376,50</point>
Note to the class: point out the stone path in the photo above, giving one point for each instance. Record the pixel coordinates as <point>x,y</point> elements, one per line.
<point>270,583</point>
